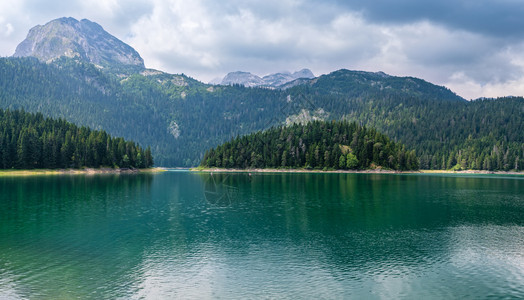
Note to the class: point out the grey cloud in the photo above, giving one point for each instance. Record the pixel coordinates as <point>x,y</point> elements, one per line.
<point>117,21</point>
<point>492,17</point>
<point>481,58</point>
<point>304,12</point>
<point>50,9</point>
<point>126,15</point>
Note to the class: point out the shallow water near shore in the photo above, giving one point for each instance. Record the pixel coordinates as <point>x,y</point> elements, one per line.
<point>237,236</point>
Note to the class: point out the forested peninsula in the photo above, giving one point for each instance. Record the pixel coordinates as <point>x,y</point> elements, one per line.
<point>334,145</point>
<point>30,141</point>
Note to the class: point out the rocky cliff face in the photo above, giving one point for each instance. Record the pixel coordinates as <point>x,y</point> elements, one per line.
<point>272,80</point>
<point>243,78</point>
<point>83,39</point>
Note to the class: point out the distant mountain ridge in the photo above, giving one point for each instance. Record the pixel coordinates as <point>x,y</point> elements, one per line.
<point>82,39</point>
<point>274,80</point>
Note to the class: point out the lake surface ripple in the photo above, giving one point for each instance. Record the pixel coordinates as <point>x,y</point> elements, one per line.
<point>240,236</point>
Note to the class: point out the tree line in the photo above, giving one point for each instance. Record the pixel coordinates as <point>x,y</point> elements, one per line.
<point>29,141</point>
<point>316,145</point>
<point>445,131</point>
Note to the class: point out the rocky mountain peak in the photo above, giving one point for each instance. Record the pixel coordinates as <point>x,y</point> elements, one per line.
<point>272,80</point>
<point>243,78</point>
<point>83,39</point>
<point>304,73</point>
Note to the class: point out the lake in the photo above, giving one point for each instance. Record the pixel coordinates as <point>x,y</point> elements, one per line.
<point>239,236</point>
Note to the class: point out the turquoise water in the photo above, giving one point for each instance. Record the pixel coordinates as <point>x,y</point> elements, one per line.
<point>236,236</point>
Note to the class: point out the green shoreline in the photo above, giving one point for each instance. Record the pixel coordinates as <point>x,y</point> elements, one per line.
<point>94,171</point>
<point>371,171</point>
<point>84,171</point>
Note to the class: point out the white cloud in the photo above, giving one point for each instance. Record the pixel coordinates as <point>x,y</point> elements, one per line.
<point>175,35</point>
<point>106,8</point>
<point>10,33</point>
<point>9,29</point>
<point>187,36</point>
<point>6,29</point>
<point>468,86</point>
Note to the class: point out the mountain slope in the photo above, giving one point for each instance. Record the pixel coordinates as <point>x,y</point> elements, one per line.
<point>180,117</point>
<point>360,83</point>
<point>83,39</point>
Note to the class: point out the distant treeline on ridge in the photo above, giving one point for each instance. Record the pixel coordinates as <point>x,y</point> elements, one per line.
<point>29,141</point>
<point>316,145</point>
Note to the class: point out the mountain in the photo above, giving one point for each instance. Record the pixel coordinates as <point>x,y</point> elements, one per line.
<point>304,73</point>
<point>83,39</point>
<point>355,83</point>
<point>180,117</point>
<point>272,80</point>
<point>243,78</point>
<point>278,79</point>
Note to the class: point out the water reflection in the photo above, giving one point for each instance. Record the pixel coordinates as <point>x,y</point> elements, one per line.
<point>191,235</point>
<point>218,190</point>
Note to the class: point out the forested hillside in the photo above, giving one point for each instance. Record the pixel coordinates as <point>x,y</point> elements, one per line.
<point>446,133</point>
<point>29,141</point>
<point>317,145</point>
<point>180,118</point>
<point>83,94</point>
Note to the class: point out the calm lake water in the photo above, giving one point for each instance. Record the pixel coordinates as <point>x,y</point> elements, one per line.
<point>235,236</point>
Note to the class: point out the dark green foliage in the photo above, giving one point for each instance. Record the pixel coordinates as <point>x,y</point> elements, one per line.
<point>29,141</point>
<point>84,95</point>
<point>318,145</point>
<point>445,131</point>
<point>180,117</point>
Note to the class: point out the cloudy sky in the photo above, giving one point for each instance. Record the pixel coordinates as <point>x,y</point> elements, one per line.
<point>474,47</point>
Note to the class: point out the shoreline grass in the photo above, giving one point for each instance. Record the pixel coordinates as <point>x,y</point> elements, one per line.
<point>274,170</point>
<point>85,171</point>
<point>370,171</point>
